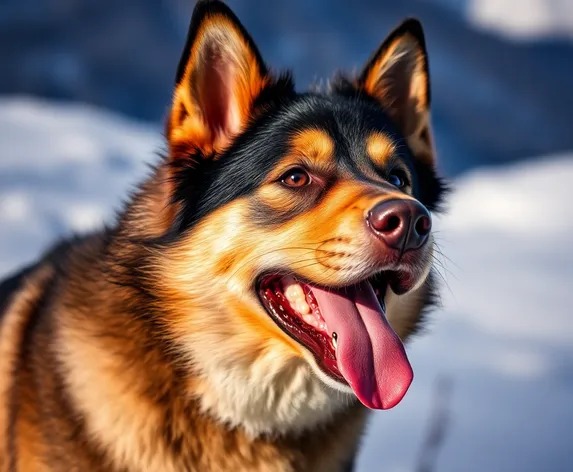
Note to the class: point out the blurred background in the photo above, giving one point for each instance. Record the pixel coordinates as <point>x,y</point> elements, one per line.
<point>84,86</point>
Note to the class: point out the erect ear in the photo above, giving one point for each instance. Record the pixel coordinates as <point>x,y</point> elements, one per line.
<point>219,76</point>
<point>397,77</point>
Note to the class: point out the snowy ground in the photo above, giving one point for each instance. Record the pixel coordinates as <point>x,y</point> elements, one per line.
<point>504,337</point>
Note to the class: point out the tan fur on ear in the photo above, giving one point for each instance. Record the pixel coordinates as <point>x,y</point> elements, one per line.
<point>219,82</point>
<point>397,76</point>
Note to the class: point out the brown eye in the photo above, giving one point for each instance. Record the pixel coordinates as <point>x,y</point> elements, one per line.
<point>296,178</point>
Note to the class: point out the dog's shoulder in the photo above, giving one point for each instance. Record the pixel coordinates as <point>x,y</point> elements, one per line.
<point>25,299</point>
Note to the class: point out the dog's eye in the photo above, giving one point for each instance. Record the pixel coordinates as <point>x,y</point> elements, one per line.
<point>296,178</point>
<point>397,178</point>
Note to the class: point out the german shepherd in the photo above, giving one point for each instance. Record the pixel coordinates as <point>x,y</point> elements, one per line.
<point>246,309</point>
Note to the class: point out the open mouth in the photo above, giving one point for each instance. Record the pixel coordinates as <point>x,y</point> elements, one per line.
<point>347,332</point>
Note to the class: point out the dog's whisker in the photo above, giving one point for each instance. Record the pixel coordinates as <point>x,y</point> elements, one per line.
<point>440,252</point>
<point>442,270</point>
<point>444,280</point>
<point>443,266</point>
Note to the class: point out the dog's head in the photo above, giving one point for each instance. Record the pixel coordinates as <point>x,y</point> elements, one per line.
<point>296,228</point>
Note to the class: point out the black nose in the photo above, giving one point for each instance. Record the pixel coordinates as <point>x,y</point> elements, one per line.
<point>401,224</point>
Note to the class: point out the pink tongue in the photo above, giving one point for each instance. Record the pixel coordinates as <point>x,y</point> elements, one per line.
<point>370,355</point>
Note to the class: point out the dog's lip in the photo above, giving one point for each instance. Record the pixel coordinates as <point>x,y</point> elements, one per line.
<point>386,275</point>
<point>319,343</point>
<point>391,276</point>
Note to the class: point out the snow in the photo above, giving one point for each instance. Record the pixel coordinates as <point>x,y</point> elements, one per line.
<point>524,18</point>
<point>63,168</point>
<point>504,337</point>
<point>518,19</point>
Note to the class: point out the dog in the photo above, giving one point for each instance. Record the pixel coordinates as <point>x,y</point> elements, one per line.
<point>248,307</point>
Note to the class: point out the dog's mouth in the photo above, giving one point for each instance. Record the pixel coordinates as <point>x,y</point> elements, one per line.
<point>347,332</point>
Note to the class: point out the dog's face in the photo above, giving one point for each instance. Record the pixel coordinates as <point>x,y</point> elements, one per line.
<point>301,227</point>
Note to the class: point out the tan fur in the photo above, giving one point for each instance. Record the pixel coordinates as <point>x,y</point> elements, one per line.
<point>315,144</point>
<point>379,148</point>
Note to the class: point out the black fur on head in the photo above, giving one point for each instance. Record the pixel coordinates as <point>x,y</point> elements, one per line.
<point>203,184</point>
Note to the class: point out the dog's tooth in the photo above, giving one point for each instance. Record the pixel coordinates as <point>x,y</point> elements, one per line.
<point>302,307</point>
<point>308,319</point>
<point>294,292</point>
<point>334,340</point>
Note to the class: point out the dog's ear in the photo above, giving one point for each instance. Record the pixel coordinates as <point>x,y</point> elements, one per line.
<point>219,76</point>
<point>397,77</point>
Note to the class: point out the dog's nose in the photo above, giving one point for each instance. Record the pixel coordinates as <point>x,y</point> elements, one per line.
<point>401,224</point>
